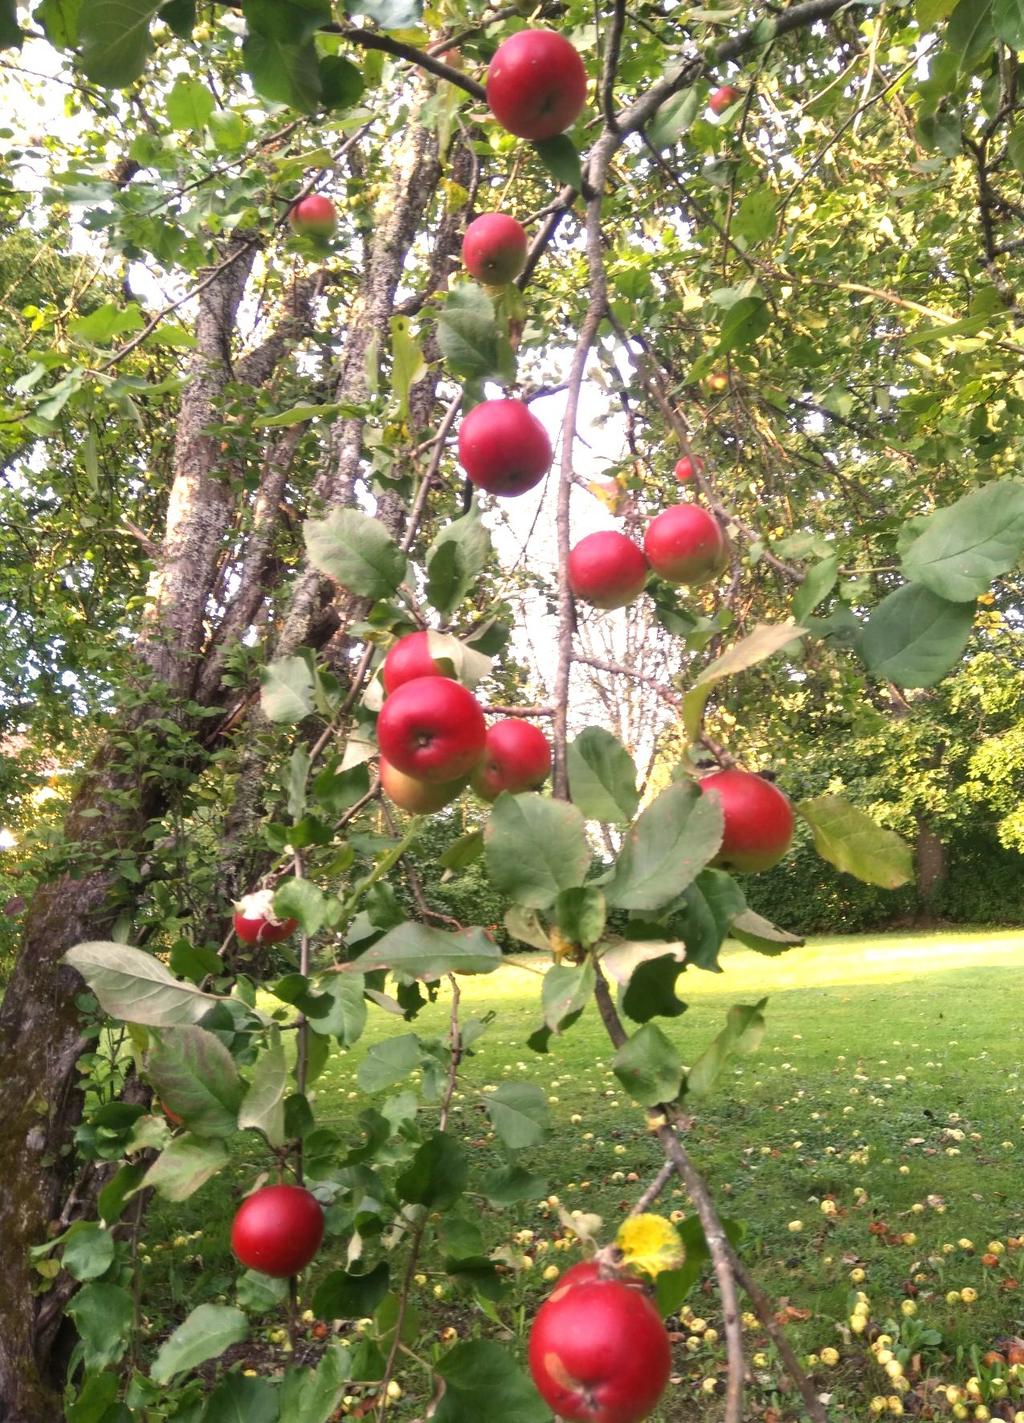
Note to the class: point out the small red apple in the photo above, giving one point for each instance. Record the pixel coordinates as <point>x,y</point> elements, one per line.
<point>314,216</point>
<point>417,797</point>
<point>684,544</point>
<point>599,1352</point>
<point>687,468</point>
<point>494,248</point>
<point>517,757</point>
<point>718,382</point>
<point>503,447</point>
<point>277,1230</point>
<point>607,569</point>
<point>536,84</point>
<point>255,921</point>
<point>758,820</point>
<point>432,729</point>
<point>407,659</point>
<point>723,98</point>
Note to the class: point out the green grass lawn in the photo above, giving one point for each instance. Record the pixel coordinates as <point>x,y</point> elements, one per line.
<point>887,1088</point>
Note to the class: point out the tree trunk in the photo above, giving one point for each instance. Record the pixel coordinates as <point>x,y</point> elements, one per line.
<point>931,870</point>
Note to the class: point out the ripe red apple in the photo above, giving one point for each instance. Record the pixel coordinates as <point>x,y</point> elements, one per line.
<point>417,797</point>
<point>599,1352</point>
<point>517,757</point>
<point>277,1230</point>
<point>503,448</point>
<point>494,248</point>
<point>432,729</point>
<point>536,84</point>
<point>409,658</point>
<point>758,820</point>
<point>687,468</point>
<point>723,98</point>
<point>314,216</point>
<point>607,569</point>
<point>717,382</point>
<point>684,544</point>
<point>255,921</point>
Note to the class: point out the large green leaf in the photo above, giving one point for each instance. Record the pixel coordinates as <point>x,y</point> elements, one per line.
<point>566,991</point>
<point>649,1067</point>
<point>1008,19</point>
<point>970,33</point>
<point>743,1031</point>
<point>483,1380</point>
<point>818,583</point>
<point>669,845</point>
<point>357,552</point>
<point>472,342</point>
<point>388,14</point>
<point>580,914</point>
<point>263,1105</point>
<point>674,118</point>
<point>455,559</point>
<point>423,952</point>
<point>602,777</point>
<point>535,848</point>
<point>437,1174</point>
<point>849,839</point>
<point>761,934</point>
<point>519,1113</point>
<point>205,1334</point>
<point>914,637</point>
<point>135,986</point>
<point>184,1165</point>
<point>312,1396</point>
<point>278,52</point>
<point>89,1250</point>
<point>561,158</point>
<point>388,1062</point>
<point>286,690</point>
<point>10,30</point>
<point>765,640</point>
<point>115,39</point>
<point>745,321</point>
<point>239,1397</point>
<point>965,546</point>
<point>103,1316</point>
<point>195,1075</point>
<point>345,1295</point>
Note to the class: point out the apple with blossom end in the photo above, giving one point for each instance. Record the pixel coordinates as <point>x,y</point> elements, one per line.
<point>255,921</point>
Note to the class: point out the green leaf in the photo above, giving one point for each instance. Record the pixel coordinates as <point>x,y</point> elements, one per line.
<point>818,583</point>
<point>388,1062</point>
<point>103,1316</point>
<point>89,1251</point>
<point>10,31</point>
<point>761,934</point>
<point>674,118</point>
<point>561,158</point>
<point>483,1380</point>
<point>424,952</point>
<point>341,84</point>
<point>709,906</point>
<point>914,637</point>
<point>849,839</point>
<point>526,925</point>
<point>461,853</point>
<point>205,1334</point>
<point>580,914</point>
<point>337,790</point>
<point>298,415</point>
<point>437,1174</point>
<point>970,34</point>
<point>115,39</point>
<point>745,321</point>
<point>649,1067</point>
<point>535,848</point>
<point>929,11</point>
<point>135,986</point>
<point>59,18</point>
<point>743,1031</point>
<point>238,1397</point>
<point>472,343</point>
<point>672,1286</point>
<point>965,546</point>
<point>519,1113</point>
<point>278,52</point>
<point>258,1293</point>
<point>566,991</point>
<point>184,1165</point>
<point>195,1075</point>
<point>114,1196</point>
<point>510,1184</point>
<point>602,777</point>
<point>179,16</point>
<point>263,1104</point>
<point>407,362</point>
<point>669,844</point>
<point>455,559</point>
<point>357,552</point>
<point>622,958</point>
<point>757,215</point>
<point>339,1009</point>
<point>346,1295</point>
<point>763,642</point>
<point>313,1396</point>
<point>286,690</point>
<point>302,900</point>
<point>389,14</point>
<point>106,323</point>
<point>651,992</point>
<point>189,104</point>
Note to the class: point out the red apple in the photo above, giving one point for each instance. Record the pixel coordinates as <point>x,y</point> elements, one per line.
<point>687,468</point>
<point>717,382</point>
<point>314,216</point>
<point>536,84</point>
<point>684,544</point>
<point>517,757</point>
<point>599,1352</point>
<point>409,658</point>
<point>503,448</point>
<point>723,98</point>
<point>432,729</point>
<point>417,797</point>
<point>758,820</point>
<point>277,1230</point>
<point>607,569</point>
<point>494,248</point>
<point>255,921</point>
